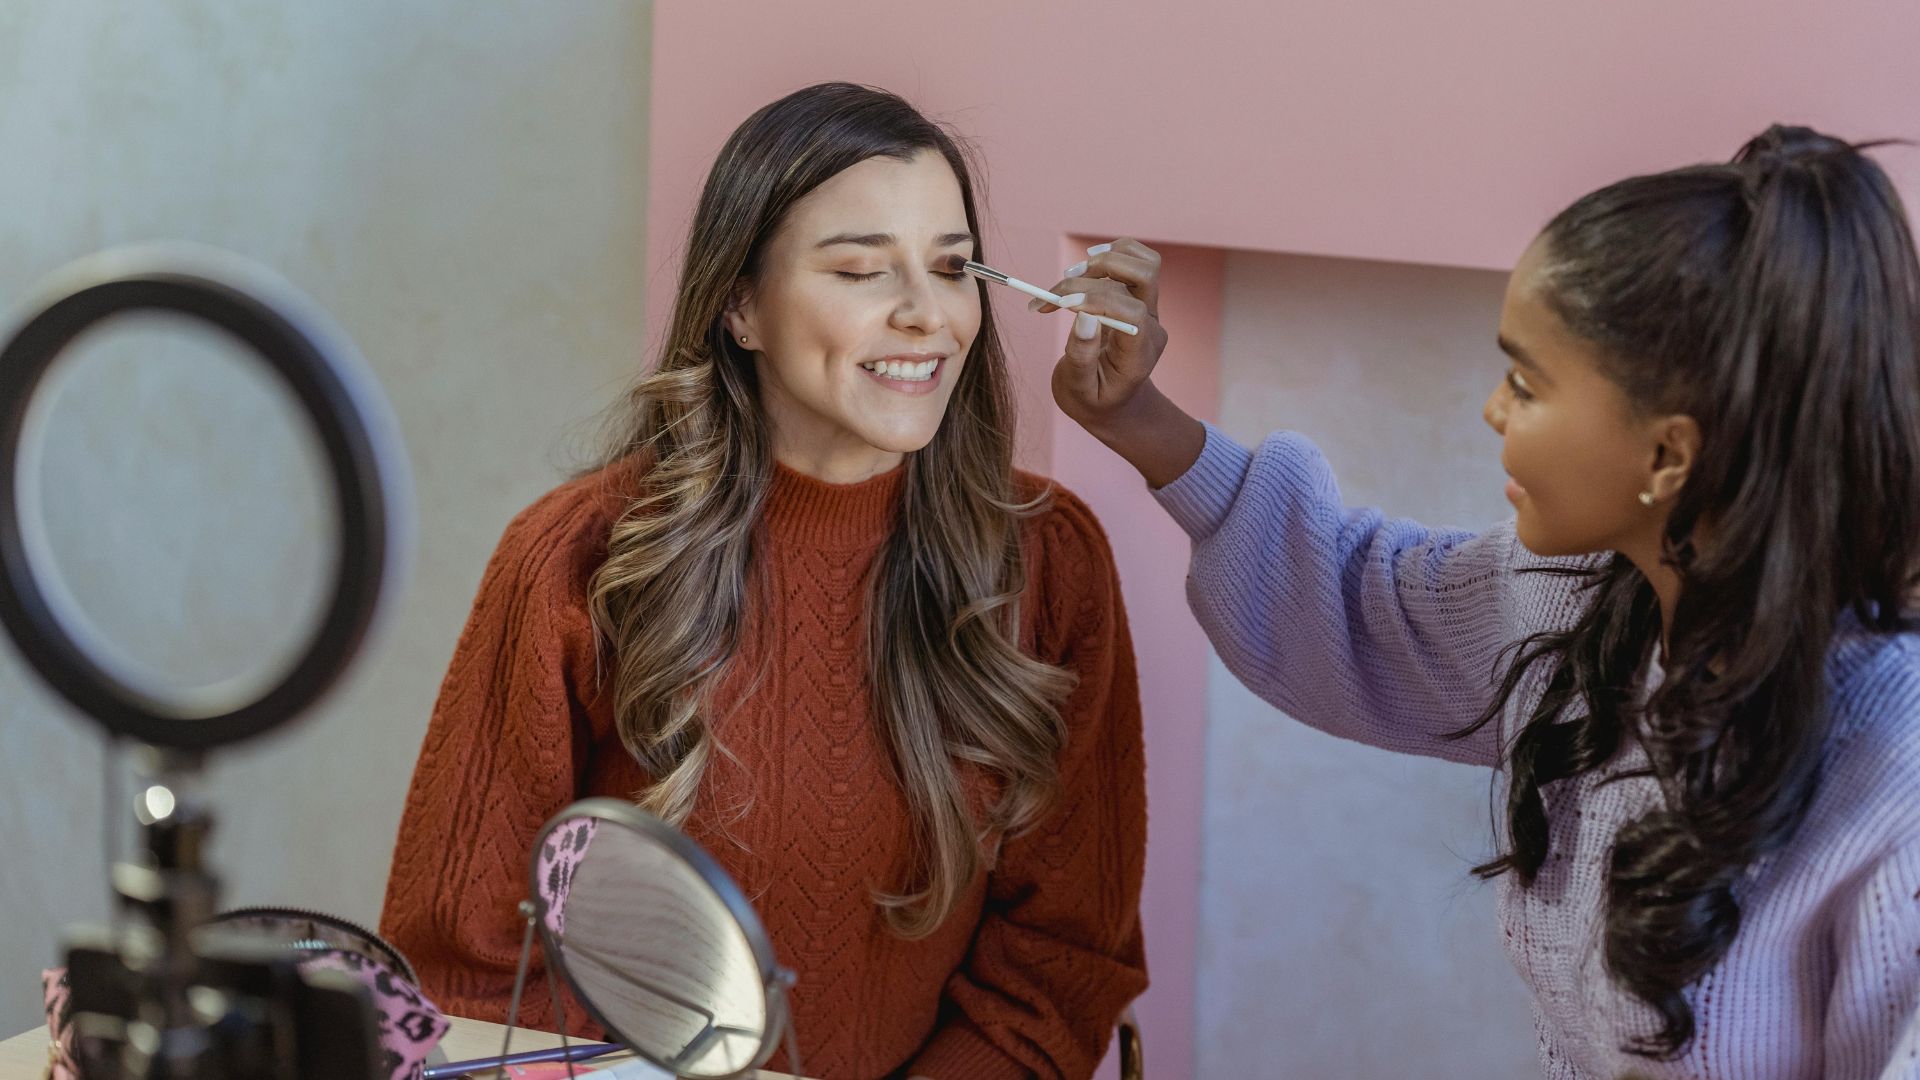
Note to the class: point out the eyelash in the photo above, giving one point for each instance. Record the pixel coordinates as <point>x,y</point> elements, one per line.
<point>950,275</point>
<point>1519,389</point>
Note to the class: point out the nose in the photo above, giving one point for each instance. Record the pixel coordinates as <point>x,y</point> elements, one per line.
<point>1494,412</point>
<point>918,308</point>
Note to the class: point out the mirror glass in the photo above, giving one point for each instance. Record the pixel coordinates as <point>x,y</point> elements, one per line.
<point>640,924</point>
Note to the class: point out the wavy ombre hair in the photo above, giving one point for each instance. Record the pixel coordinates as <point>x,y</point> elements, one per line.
<point>951,686</point>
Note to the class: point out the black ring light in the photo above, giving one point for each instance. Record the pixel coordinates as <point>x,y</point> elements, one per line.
<point>357,437</point>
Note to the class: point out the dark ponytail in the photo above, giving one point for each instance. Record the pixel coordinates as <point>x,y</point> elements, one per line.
<point>1774,300</point>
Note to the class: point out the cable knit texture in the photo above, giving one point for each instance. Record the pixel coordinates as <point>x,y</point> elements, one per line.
<point>1390,633</point>
<point>1029,974</point>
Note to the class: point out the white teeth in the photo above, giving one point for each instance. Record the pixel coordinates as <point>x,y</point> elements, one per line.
<point>905,372</point>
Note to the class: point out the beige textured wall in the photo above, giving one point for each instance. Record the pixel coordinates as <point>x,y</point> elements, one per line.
<point>1340,932</point>
<point>463,187</point>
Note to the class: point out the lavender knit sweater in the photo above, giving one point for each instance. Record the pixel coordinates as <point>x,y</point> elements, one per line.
<point>1390,633</point>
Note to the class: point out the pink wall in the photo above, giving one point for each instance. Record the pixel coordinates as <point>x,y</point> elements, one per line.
<point>1432,133</point>
<point>1151,553</point>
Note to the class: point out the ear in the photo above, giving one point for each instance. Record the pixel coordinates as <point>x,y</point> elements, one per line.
<point>1676,449</point>
<point>739,316</point>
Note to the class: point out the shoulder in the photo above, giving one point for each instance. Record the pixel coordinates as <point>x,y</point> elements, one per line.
<point>1073,587</point>
<point>1544,594</point>
<point>1059,514</point>
<point>1874,753</point>
<point>553,547</point>
<point>1062,537</point>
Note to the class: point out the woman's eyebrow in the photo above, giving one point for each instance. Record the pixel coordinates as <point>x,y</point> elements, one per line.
<point>888,239</point>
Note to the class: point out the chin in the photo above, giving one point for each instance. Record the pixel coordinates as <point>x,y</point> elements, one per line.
<point>1534,539</point>
<point>900,443</point>
<point>1533,544</point>
<point>901,439</point>
<point>1546,545</point>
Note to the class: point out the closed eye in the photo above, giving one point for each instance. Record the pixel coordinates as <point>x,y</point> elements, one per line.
<point>848,275</point>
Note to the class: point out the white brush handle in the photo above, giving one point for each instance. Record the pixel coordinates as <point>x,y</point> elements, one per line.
<point>1059,301</point>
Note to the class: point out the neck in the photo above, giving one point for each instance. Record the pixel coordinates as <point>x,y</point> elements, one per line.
<point>1664,579</point>
<point>838,467</point>
<point>803,512</point>
<point>829,455</point>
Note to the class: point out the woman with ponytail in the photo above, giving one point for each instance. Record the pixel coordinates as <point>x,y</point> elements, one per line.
<point>807,610</point>
<point>1691,656</point>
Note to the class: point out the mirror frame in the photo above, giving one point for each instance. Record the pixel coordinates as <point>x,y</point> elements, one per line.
<point>774,979</point>
<point>357,434</point>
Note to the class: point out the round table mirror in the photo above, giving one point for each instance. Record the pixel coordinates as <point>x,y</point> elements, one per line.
<point>658,942</point>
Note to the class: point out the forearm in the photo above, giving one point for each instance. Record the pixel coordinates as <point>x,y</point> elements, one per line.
<point>1154,435</point>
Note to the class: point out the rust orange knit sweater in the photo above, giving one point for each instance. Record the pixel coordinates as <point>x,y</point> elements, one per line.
<point>1028,975</point>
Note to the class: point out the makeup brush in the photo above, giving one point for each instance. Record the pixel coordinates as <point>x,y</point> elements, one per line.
<point>988,273</point>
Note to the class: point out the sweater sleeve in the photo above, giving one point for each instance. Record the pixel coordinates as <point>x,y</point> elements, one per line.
<point>1058,954</point>
<point>498,760</point>
<point>1873,1009</point>
<point>1373,629</point>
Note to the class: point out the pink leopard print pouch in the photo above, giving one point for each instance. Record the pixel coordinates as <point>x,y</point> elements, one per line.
<point>410,1025</point>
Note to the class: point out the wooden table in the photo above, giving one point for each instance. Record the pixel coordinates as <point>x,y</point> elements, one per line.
<point>24,1057</point>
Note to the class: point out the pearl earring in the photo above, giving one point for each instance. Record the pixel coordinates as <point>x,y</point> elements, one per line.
<point>1646,498</point>
<point>743,339</point>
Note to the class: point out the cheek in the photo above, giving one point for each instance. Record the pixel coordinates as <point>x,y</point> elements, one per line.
<point>964,318</point>
<point>1580,477</point>
<point>1549,444</point>
<point>816,331</point>
<point>1606,459</point>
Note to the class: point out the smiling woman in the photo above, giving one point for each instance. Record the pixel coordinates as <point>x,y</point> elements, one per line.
<point>860,316</point>
<point>808,611</point>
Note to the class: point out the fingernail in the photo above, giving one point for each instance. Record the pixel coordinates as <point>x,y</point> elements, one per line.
<point>1085,326</point>
<point>1035,304</point>
<point>1099,249</point>
<point>1073,299</point>
<point>1075,270</point>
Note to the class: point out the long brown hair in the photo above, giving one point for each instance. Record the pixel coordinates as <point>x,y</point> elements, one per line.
<point>950,683</point>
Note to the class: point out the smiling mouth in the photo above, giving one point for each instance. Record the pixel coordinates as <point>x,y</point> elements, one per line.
<point>905,370</point>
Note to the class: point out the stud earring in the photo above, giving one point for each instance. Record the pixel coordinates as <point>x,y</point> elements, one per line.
<point>1646,498</point>
<point>743,339</point>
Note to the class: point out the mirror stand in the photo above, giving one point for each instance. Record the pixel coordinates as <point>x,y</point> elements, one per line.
<point>147,998</point>
<point>151,999</point>
<point>568,1051</point>
<point>656,942</point>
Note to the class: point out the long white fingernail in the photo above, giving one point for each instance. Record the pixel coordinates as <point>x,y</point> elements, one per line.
<point>1075,270</point>
<point>1099,249</point>
<point>1073,299</point>
<point>1085,326</point>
